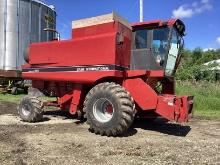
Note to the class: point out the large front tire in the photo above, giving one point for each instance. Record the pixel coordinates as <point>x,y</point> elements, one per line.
<point>30,109</point>
<point>109,109</point>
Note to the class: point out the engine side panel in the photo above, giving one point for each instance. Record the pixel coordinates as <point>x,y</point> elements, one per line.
<point>143,94</point>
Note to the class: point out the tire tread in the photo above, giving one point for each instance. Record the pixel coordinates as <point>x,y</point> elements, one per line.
<point>127,108</point>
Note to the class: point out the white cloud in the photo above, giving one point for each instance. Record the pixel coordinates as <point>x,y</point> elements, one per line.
<point>187,11</point>
<point>207,49</point>
<point>182,12</point>
<point>218,40</point>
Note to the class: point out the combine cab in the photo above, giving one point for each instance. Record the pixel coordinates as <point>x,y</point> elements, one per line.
<point>110,72</point>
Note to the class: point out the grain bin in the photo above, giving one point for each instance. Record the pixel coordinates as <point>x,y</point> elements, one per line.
<point>21,23</point>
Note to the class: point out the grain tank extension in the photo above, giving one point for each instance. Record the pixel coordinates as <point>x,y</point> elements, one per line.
<point>110,72</point>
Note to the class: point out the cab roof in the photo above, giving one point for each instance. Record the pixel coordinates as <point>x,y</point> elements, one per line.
<point>160,23</point>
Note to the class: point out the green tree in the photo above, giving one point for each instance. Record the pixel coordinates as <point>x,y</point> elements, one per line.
<point>192,65</point>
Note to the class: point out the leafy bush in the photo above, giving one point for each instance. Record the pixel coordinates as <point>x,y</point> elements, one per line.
<point>192,65</point>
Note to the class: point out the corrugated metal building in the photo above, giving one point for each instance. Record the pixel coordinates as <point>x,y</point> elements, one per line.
<point>21,23</point>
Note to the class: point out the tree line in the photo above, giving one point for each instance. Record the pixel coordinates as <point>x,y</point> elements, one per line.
<point>192,65</point>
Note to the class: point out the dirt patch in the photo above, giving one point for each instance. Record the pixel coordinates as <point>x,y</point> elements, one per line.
<point>8,108</point>
<point>62,140</point>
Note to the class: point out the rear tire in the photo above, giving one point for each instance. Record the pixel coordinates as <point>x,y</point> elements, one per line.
<point>14,91</point>
<point>30,109</point>
<point>109,109</point>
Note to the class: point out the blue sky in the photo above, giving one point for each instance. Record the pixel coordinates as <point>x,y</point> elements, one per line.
<point>202,17</point>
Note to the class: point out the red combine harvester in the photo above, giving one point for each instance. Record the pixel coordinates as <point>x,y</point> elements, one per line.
<point>110,71</point>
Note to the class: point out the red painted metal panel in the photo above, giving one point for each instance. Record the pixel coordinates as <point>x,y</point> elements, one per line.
<point>166,107</point>
<point>76,77</point>
<point>75,100</point>
<point>175,108</point>
<point>123,50</point>
<point>94,30</point>
<point>148,73</point>
<point>155,73</point>
<point>142,93</point>
<point>147,23</point>
<point>65,98</point>
<point>93,45</point>
<point>87,51</point>
<point>135,73</point>
<point>169,22</point>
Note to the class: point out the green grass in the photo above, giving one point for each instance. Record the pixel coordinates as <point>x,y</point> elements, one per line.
<point>11,98</point>
<point>17,98</point>
<point>206,98</point>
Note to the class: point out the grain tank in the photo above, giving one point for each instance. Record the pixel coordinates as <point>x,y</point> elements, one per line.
<point>22,22</point>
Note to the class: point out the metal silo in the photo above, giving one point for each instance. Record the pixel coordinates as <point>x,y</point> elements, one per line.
<point>21,23</point>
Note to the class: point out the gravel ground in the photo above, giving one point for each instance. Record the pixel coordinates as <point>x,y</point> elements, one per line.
<point>60,139</point>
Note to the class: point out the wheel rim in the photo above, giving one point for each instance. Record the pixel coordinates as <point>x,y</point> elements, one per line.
<point>26,110</point>
<point>103,110</point>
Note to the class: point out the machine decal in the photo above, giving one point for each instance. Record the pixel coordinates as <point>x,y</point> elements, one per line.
<point>77,68</point>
